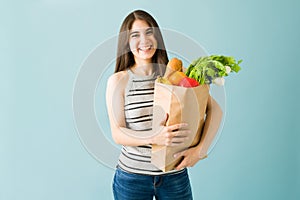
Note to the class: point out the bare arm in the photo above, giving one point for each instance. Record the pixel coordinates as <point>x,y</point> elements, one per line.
<point>212,123</point>
<point>122,135</point>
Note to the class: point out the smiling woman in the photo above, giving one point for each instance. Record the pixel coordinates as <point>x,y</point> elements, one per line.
<point>141,58</point>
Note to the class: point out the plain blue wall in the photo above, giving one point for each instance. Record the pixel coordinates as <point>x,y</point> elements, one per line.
<point>43,44</point>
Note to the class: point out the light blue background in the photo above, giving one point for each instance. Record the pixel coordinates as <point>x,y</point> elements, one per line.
<point>43,43</point>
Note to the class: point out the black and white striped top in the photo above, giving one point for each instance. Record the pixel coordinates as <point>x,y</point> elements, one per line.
<point>139,94</point>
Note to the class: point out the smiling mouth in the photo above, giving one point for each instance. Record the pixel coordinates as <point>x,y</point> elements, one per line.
<point>145,48</point>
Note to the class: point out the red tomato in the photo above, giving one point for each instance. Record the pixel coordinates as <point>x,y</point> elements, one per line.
<point>188,82</point>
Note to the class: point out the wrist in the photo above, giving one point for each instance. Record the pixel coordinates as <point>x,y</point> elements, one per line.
<point>202,152</point>
<point>149,141</point>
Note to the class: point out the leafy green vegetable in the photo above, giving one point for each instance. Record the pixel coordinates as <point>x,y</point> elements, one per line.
<point>206,69</point>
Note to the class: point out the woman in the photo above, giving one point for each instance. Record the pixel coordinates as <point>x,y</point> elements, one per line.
<point>141,57</point>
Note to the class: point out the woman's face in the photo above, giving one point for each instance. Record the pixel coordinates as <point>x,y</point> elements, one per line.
<point>142,42</point>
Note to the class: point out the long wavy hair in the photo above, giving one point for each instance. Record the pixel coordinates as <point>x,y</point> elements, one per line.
<point>125,58</point>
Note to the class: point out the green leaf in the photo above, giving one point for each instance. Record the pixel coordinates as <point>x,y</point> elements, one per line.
<point>207,68</point>
<point>189,69</point>
<point>236,68</point>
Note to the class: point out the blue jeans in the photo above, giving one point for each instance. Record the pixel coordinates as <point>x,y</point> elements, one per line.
<point>130,186</point>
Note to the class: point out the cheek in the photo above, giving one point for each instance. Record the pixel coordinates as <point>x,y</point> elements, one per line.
<point>132,45</point>
<point>154,42</point>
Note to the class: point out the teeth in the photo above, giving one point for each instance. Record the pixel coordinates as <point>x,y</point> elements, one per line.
<point>145,48</point>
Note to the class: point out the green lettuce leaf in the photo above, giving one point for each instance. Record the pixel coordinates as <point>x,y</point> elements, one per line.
<point>206,69</point>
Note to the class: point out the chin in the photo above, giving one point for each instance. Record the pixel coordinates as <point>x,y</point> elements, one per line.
<point>147,56</point>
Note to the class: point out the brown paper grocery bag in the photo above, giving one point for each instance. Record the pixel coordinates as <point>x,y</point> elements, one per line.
<point>183,105</point>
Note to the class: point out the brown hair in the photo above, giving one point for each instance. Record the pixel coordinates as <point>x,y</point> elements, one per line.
<point>125,57</point>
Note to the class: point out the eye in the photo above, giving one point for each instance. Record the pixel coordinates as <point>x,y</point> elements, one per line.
<point>149,32</point>
<point>134,35</point>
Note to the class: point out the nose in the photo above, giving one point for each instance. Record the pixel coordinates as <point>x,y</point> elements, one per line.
<point>143,38</point>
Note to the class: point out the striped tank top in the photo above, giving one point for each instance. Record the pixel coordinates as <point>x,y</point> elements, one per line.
<point>138,107</point>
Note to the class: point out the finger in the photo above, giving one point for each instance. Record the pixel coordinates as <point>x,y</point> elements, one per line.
<point>181,165</point>
<point>179,139</point>
<point>174,142</point>
<point>177,134</point>
<point>177,126</point>
<point>181,133</point>
<point>179,154</point>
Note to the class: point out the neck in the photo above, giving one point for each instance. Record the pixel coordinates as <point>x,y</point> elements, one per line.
<point>145,69</point>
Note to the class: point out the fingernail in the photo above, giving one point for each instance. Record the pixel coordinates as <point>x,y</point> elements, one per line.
<point>175,155</point>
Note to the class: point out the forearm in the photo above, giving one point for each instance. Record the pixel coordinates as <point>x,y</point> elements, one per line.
<point>172,135</point>
<point>128,137</point>
<point>211,126</point>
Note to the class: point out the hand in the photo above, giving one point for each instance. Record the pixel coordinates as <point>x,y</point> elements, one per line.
<point>190,157</point>
<point>171,135</point>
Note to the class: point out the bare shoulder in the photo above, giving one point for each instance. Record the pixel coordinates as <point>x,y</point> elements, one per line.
<point>117,77</point>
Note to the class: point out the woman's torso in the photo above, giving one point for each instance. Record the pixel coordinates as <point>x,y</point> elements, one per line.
<point>138,108</point>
